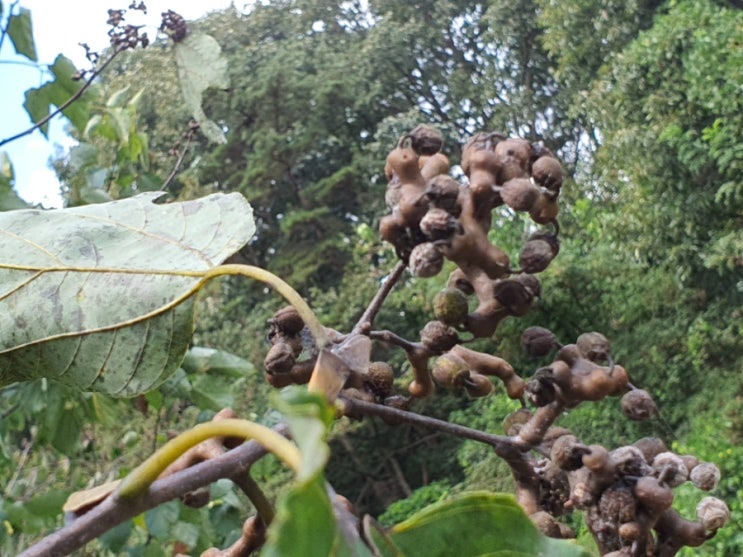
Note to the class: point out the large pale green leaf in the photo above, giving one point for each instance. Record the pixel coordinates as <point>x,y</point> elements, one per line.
<point>20,31</point>
<point>91,296</point>
<point>473,524</point>
<point>201,66</point>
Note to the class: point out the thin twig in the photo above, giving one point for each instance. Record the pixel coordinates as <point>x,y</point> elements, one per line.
<point>392,338</point>
<point>113,511</point>
<point>189,136</point>
<point>356,406</point>
<point>366,321</point>
<point>68,102</point>
<point>256,496</point>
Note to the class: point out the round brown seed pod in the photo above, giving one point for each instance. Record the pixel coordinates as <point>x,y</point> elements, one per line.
<point>629,531</point>
<point>547,173</point>
<point>379,379</point>
<point>629,461</point>
<point>516,149</point>
<point>650,447</point>
<point>426,140</point>
<point>477,385</point>
<point>438,337</point>
<point>450,371</point>
<point>442,192</point>
<point>536,255</point>
<point>450,306</point>
<point>712,513</point>
<point>594,346</point>
<point>705,476</point>
<point>519,194</point>
<point>437,224</point>
<point>426,260</point>
<point>567,452</point>
<point>538,341</point>
<point>638,405</point>
<point>513,422</point>
<point>668,467</point>
<point>288,321</point>
<point>280,359</point>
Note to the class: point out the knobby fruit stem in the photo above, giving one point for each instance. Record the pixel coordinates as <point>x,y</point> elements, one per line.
<point>140,479</point>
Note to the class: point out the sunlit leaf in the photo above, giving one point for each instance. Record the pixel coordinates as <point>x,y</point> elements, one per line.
<point>201,66</point>
<point>200,359</point>
<point>20,31</point>
<point>9,199</point>
<point>92,296</point>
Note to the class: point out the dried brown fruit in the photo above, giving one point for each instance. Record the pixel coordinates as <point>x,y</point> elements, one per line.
<point>668,467</point>
<point>513,422</point>
<point>280,359</point>
<point>426,260</point>
<point>567,452</point>
<point>442,192</point>
<point>536,255</point>
<point>287,321</point>
<point>712,513</point>
<point>617,504</point>
<point>437,224</point>
<point>438,337</point>
<point>650,447</point>
<point>594,346</point>
<point>547,173</point>
<point>426,140</point>
<point>519,194</point>
<point>379,379</point>
<point>705,476</point>
<point>638,405</point>
<point>538,341</point>
<point>652,494</point>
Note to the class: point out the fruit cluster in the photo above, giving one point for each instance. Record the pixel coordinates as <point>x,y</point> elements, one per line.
<point>625,494</point>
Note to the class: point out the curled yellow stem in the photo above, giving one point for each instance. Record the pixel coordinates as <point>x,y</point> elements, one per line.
<point>137,482</point>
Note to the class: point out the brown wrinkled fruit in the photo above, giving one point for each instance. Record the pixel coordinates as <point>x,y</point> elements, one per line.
<point>438,337</point>
<point>712,513</point>
<point>426,140</point>
<point>538,341</point>
<point>437,224</point>
<point>288,321</point>
<point>280,359</point>
<point>536,255</point>
<point>426,260</point>
<point>567,452</point>
<point>638,405</point>
<point>519,194</point>
<point>450,306</point>
<point>650,447</point>
<point>514,420</point>
<point>547,173</point>
<point>705,476</point>
<point>594,346</point>
<point>379,379</point>
<point>670,468</point>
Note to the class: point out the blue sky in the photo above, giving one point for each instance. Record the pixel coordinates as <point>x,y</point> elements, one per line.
<point>58,28</point>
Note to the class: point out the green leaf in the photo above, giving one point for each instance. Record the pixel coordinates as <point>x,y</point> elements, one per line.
<point>212,393</point>
<point>201,66</point>
<point>200,359</point>
<point>20,31</point>
<point>476,523</point>
<point>37,105</point>
<point>91,296</point>
<point>118,98</point>
<point>9,199</point>
<point>160,520</point>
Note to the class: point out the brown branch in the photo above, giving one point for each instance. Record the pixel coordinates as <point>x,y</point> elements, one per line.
<point>69,101</point>
<point>173,173</point>
<point>112,511</point>
<point>366,321</point>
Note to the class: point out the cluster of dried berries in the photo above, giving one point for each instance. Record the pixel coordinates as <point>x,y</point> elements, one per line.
<point>625,494</point>
<point>122,36</point>
<point>174,26</point>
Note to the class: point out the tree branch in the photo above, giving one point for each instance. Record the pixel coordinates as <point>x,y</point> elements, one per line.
<point>366,321</point>
<point>69,101</point>
<point>113,511</point>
